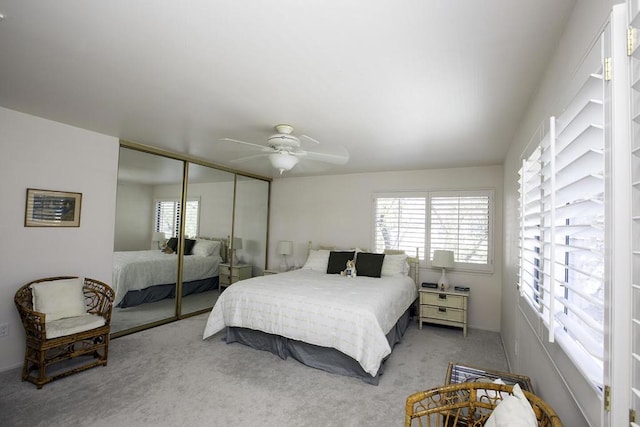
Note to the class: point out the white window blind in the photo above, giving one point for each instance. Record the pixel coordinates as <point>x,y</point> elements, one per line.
<point>167,217</point>
<point>461,222</point>
<point>400,224</point>
<point>562,260</point>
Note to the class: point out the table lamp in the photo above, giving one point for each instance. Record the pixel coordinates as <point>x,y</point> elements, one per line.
<point>285,247</point>
<point>237,244</point>
<point>444,260</point>
<point>158,237</point>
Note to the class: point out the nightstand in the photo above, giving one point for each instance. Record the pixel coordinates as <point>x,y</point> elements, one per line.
<point>230,275</point>
<point>444,308</point>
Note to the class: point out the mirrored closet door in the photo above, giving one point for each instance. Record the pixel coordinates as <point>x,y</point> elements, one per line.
<point>251,217</point>
<point>147,204</point>
<point>179,221</point>
<point>210,193</point>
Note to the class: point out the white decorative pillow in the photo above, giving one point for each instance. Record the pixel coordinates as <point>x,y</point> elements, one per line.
<point>394,265</point>
<point>59,299</point>
<point>317,260</point>
<point>206,247</point>
<point>513,411</point>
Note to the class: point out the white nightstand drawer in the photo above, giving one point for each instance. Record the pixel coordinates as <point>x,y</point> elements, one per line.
<point>442,313</point>
<point>442,299</point>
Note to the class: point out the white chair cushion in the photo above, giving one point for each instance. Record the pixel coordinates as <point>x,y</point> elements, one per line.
<point>58,299</point>
<point>73,325</point>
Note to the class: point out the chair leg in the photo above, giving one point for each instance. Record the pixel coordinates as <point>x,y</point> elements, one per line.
<point>25,367</point>
<point>41,367</point>
<point>106,349</point>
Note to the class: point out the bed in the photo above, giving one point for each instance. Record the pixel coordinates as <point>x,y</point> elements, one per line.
<point>147,276</point>
<point>339,324</point>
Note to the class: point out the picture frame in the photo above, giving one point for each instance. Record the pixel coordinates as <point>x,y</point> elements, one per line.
<point>49,208</point>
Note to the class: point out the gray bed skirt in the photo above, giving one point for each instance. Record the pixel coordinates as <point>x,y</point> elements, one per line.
<point>160,292</point>
<point>327,359</point>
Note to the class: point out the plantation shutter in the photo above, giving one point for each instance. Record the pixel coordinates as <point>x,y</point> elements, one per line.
<point>634,16</point>
<point>562,251</point>
<point>461,223</point>
<point>400,224</point>
<point>165,217</point>
<point>577,232</point>
<point>191,218</point>
<point>530,277</point>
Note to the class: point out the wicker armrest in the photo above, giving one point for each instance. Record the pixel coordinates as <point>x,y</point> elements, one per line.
<point>33,321</point>
<point>99,298</point>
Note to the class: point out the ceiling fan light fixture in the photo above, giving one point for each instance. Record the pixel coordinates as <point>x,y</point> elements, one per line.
<point>283,161</point>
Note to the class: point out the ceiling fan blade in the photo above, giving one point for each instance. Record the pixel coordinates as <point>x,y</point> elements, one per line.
<point>335,159</point>
<point>308,138</point>
<point>244,142</point>
<point>244,159</point>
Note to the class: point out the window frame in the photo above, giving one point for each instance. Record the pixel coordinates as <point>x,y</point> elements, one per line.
<point>463,266</point>
<point>425,257</point>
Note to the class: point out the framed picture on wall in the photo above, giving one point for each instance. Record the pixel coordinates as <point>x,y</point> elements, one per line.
<point>46,208</point>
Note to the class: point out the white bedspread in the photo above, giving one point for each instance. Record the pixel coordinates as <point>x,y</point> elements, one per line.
<point>329,310</point>
<point>134,270</point>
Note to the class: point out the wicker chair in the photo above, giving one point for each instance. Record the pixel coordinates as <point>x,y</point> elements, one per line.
<point>467,404</point>
<point>41,352</point>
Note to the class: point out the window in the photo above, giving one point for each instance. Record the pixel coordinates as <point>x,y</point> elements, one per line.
<point>562,233</point>
<point>167,217</point>
<point>400,224</point>
<point>460,221</point>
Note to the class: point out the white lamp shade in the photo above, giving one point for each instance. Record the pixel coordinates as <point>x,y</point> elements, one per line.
<point>237,243</point>
<point>443,259</point>
<point>285,247</point>
<point>283,161</point>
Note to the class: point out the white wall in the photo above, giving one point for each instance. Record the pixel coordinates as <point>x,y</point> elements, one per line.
<point>533,359</point>
<point>134,217</point>
<point>337,210</point>
<point>37,153</point>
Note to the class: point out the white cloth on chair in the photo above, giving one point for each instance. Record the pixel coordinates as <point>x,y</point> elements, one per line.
<point>73,325</point>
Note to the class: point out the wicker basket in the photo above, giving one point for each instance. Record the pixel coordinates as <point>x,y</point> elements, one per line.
<point>468,404</point>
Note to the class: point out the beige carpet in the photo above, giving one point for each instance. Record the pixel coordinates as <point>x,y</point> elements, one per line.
<point>168,376</point>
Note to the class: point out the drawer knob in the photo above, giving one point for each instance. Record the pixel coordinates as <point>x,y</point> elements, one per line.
<point>442,296</point>
<point>442,309</point>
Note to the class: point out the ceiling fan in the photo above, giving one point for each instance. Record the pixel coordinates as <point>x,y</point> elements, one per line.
<point>284,152</point>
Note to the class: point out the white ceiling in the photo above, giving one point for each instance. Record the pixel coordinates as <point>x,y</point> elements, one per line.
<point>401,85</point>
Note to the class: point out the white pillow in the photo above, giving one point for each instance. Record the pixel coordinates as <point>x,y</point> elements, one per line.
<point>394,265</point>
<point>513,411</point>
<point>59,299</point>
<point>317,260</point>
<point>206,247</point>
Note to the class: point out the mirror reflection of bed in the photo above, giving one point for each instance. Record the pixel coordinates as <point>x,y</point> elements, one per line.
<point>141,281</point>
<point>148,202</point>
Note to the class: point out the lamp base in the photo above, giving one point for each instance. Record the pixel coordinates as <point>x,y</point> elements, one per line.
<point>443,283</point>
<point>283,265</point>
